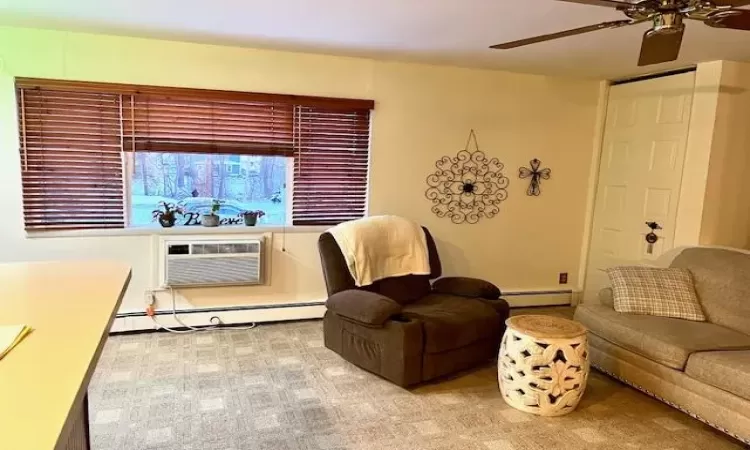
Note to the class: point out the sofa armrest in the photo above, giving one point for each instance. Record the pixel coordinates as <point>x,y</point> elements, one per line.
<point>466,287</point>
<point>500,306</point>
<point>365,307</point>
<point>607,297</point>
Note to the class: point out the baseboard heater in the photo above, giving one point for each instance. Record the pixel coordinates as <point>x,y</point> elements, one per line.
<point>219,309</point>
<point>525,299</point>
<point>557,297</point>
<point>229,315</point>
<point>232,315</point>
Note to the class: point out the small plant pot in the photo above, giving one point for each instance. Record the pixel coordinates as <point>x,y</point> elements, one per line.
<point>167,222</point>
<point>210,220</point>
<point>250,220</point>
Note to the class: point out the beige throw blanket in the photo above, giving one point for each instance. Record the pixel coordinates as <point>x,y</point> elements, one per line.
<point>380,247</point>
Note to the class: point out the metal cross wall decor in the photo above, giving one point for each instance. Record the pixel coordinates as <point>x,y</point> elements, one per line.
<point>468,186</point>
<point>536,176</point>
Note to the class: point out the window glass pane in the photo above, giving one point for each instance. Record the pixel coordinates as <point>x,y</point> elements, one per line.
<point>192,181</point>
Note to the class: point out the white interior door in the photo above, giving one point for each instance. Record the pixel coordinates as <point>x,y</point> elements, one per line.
<point>643,151</point>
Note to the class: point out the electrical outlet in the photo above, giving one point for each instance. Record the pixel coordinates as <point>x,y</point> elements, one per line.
<point>149,298</point>
<point>563,279</point>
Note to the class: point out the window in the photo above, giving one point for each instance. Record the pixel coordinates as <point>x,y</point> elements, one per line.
<point>104,155</point>
<point>193,180</point>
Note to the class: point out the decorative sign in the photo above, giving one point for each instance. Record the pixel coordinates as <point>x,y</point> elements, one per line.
<point>536,176</point>
<point>467,187</point>
<point>195,219</point>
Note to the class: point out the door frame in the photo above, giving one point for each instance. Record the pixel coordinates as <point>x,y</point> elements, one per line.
<point>588,223</point>
<point>601,121</point>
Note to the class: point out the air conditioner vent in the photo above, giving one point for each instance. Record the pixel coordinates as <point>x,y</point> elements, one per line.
<point>212,263</point>
<point>225,248</point>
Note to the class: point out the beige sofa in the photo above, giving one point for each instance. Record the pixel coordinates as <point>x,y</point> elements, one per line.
<point>701,368</point>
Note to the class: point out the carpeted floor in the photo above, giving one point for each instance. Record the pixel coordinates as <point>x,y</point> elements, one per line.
<point>278,388</point>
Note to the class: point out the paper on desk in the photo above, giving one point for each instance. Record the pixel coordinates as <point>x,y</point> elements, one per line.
<point>10,336</point>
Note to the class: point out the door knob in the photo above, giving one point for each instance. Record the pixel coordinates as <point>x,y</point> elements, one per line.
<point>651,237</point>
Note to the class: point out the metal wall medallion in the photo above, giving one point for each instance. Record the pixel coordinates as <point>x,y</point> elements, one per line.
<point>536,176</point>
<point>467,187</point>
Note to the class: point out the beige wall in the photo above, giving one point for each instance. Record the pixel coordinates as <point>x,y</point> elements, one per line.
<point>422,113</point>
<point>698,153</point>
<point>713,207</point>
<point>726,215</point>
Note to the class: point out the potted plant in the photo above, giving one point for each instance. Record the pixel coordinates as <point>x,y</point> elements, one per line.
<point>251,217</point>
<point>166,215</point>
<point>212,219</point>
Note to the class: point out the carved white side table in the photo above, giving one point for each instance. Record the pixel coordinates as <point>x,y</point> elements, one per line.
<point>543,364</point>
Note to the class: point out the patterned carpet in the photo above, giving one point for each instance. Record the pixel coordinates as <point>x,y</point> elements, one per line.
<point>278,388</point>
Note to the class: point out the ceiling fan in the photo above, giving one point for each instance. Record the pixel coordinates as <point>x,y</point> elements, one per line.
<point>661,43</point>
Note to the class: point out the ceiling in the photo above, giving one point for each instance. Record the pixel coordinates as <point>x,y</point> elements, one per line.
<point>456,32</point>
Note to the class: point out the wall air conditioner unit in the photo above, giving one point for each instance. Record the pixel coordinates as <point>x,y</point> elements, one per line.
<point>211,263</point>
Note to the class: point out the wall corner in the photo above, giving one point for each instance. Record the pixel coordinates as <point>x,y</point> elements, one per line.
<point>596,151</point>
<point>690,209</point>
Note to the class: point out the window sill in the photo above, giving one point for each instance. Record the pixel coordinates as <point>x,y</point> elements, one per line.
<point>176,231</point>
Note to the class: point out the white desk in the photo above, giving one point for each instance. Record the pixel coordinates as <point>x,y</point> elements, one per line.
<point>43,381</point>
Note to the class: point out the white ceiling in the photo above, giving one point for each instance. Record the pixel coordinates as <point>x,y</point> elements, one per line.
<point>454,32</point>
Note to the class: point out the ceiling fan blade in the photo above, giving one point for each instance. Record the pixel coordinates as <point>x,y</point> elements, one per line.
<point>732,3</point>
<point>561,34</point>
<point>612,3</point>
<point>736,19</point>
<point>660,47</point>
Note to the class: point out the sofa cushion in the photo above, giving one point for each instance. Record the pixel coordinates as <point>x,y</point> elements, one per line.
<point>466,287</point>
<point>728,370</point>
<point>722,282</point>
<point>665,340</point>
<point>655,291</point>
<point>403,289</point>
<point>607,297</point>
<point>367,308</point>
<point>451,322</point>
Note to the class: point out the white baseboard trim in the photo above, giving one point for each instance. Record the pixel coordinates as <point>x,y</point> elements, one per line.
<point>314,310</point>
<point>233,316</point>
<point>524,299</point>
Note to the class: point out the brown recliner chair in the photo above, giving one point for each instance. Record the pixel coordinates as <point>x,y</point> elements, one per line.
<point>406,329</point>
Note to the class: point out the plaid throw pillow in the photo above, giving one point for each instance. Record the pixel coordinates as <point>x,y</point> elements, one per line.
<point>656,292</point>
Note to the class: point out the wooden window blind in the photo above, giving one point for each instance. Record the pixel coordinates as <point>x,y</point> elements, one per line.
<point>73,136</point>
<point>331,165</point>
<point>168,123</point>
<point>71,159</point>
